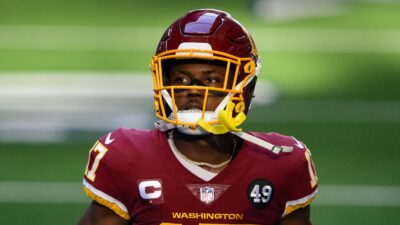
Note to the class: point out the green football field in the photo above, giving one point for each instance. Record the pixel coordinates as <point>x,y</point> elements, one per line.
<point>338,77</point>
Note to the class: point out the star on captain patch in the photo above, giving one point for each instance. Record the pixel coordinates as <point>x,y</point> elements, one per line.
<point>207,193</point>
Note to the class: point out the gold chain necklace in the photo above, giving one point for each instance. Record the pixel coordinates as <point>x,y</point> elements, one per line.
<point>214,166</point>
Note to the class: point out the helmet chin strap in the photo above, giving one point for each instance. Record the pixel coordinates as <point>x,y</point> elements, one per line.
<point>228,124</point>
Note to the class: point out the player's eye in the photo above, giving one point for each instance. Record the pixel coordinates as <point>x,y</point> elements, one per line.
<point>213,81</point>
<point>180,80</point>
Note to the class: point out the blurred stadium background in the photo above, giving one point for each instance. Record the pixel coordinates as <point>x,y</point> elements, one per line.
<point>73,70</point>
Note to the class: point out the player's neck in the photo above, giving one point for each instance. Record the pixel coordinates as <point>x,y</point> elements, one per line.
<point>212,149</point>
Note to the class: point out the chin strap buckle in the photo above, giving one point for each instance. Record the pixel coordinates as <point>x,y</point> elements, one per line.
<point>276,149</point>
<point>163,126</point>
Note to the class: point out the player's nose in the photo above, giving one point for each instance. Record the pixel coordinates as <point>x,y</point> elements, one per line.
<point>195,92</point>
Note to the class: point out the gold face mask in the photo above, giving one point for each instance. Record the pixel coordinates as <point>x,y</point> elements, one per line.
<point>238,73</point>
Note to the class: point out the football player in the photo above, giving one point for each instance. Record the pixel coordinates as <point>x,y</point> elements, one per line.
<point>198,166</point>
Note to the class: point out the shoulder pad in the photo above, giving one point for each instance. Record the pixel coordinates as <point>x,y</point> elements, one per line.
<point>123,144</point>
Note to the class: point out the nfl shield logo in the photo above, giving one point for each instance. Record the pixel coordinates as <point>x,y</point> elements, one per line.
<point>207,194</point>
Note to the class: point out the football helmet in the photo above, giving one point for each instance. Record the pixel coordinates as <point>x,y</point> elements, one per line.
<point>211,36</point>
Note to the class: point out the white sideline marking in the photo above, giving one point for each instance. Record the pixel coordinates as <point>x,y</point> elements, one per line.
<point>359,195</point>
<point>72,192</point>
<point>332,111</point>
<point>329,40</point>
<point>75,84</point>
<point>41,192</point>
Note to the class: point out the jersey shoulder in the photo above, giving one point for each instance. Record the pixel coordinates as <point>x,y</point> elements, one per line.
<point>124,145</point>
<point>110,173</point>
<point>296,170</point>
<point>281,140</point>
<point>115,155</point>
<point>295,157</point>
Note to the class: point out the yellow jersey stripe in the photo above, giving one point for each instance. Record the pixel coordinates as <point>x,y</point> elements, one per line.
<point>114,207</point>
<point>300,203</point>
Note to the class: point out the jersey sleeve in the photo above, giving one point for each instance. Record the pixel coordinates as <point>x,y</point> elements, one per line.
<point>103,177</point>
<point>301,186</point>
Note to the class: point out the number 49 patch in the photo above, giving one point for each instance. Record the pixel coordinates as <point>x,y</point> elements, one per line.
<point>260,193</point>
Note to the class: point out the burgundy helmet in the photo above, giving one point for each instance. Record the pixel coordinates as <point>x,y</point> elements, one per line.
<point>210,35</point>
<point>211,26</point>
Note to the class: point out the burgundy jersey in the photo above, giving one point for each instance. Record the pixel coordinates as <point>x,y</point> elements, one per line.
<point>136,174</point>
